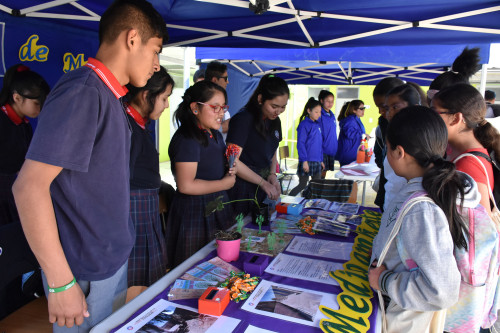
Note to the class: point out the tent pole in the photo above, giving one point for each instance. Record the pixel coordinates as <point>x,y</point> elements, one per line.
<point>187,67</point>
<point>484,73</point>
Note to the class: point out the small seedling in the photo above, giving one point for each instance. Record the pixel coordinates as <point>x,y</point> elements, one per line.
<point>239,221</point>
<point>249,244</point>
<point>271,240</point>
<point>259,221</point>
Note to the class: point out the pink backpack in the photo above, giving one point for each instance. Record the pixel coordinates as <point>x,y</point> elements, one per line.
<point>479,297</point>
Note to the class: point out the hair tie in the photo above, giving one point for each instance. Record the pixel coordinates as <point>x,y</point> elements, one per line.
<point>186,98</point>
<point>22,68</point>
<point>271,75</point>
<point>482,123</point>
<point>436,159</point>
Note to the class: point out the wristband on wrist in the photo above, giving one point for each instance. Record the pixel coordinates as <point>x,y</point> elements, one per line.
<point>261,180</point>
<point>63,288</point>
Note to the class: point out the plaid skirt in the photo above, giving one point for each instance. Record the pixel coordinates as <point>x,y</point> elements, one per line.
<point>314,169</point>
<point>188,229</point>
<point>8,210</point>
<point>329,161</point>
<point>148,260</point>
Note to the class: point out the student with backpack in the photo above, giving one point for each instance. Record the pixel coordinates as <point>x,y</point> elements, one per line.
<point>309,145</point>
<point>417,270</point>
<point>463,109</point>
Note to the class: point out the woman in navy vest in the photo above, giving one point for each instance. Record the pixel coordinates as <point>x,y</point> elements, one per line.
<point>351,131</point>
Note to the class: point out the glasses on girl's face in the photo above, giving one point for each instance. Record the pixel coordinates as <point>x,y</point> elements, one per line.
<point>361,108</point>
<point>442,112</point>
<point>216,108</point>
<point>223,77</point>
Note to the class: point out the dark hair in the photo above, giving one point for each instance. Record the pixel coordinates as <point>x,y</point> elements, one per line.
<point>19,78</point>
<point>464,66</point>
<point>199,74</point>
<point>465,99</point>
<point>421,92</point>
<point>423,135</point>
<point>215,69</point>
<point>201,91</point>
<point>489,95</point>
<point>324,94</point>
<point>407,93</point>
<point>386,85</point>
<point>311,104</point>
<point>124,15</point>
<point>348,108</point>
<point>156,85</point>
<point>270,87</point>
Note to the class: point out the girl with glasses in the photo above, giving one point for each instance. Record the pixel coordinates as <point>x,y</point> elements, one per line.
<point>200,169</point>
<point>148,260</point>
<point>351,131</point>
<point>463,110</point>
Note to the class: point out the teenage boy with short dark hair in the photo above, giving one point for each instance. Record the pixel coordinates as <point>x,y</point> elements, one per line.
<point>72,192</point>
<point>216,72</point>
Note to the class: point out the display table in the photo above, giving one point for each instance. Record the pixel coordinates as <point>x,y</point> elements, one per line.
<point>359,172</point>
<point>159,290</point>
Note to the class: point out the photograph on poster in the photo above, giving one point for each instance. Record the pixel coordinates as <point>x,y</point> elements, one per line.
<point>289,302</point>
<point>178,321</point>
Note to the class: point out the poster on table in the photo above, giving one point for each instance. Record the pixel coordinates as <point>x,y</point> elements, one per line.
<point>289,303</point>
<point>165,316</point>
<point>320,248</point>
<point>303,268</point>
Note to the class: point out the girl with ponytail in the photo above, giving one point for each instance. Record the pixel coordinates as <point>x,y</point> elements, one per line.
<point>428,281</point>
<point>200,169</point>
<point>22,95</point>
<point>256,130</point>
<point>309,145</point>
<point>351,131</point>
<point>463,109</point>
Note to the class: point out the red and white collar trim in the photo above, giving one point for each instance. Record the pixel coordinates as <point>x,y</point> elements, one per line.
<point>107,77</point>
<point>13,116</point>
<point>136,115</point>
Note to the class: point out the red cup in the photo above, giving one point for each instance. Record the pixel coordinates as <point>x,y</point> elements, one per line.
<point>360,158</point>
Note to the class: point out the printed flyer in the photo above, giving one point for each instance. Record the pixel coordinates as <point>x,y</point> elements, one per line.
<point>289,303</point>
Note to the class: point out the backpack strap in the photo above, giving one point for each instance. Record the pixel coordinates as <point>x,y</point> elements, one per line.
<point>492,199</point>
<point>405,208</point>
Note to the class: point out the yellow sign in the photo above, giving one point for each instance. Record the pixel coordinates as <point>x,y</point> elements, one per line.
<point>355,306</point>
<point>71,62</point>
<point>29,51</point>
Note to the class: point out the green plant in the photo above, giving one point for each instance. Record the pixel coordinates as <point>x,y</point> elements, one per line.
<point>217,204</point>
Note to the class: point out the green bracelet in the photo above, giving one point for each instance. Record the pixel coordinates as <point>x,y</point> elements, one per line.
<point>63,288</point>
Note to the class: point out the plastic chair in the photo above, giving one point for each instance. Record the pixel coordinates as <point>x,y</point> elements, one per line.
<point>285,173</point>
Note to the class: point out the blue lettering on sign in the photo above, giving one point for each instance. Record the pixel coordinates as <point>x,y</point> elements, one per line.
<point>71,62</point>
<point>29,51</point>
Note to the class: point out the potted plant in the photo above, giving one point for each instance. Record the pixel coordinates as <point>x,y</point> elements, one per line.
<point>228,245</point>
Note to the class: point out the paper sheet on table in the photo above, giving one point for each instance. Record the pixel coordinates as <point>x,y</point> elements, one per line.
<point>255,329</point>
<point>290,303</point>
<point>291,199</point>
<point>320,248</point>
<point>169,317</point>
<point>303,268</point>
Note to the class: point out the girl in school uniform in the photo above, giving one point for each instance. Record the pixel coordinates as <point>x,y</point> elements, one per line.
<point>148,260</point>
<point>200,169</point>
<point>309,145</point>
<point>22,96</point>
<point>328,125</point>
<point>256,130</point>
<point>351,131</point>
<point>416,143</point>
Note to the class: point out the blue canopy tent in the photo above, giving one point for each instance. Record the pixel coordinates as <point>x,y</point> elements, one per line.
<point>54,36</point>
